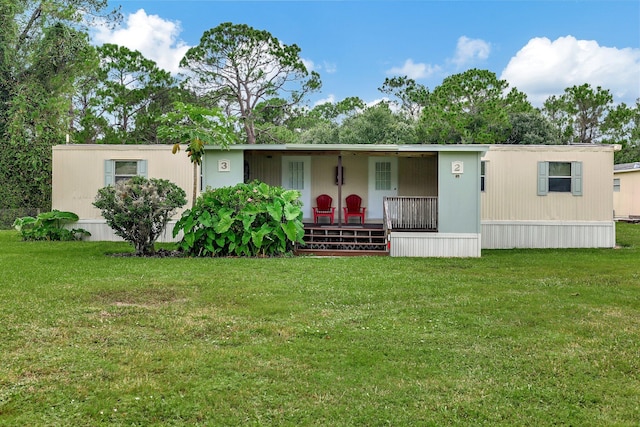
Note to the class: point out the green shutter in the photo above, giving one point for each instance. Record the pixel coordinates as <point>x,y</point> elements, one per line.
<point>109,172</point>
<point>576,178</point>
<point>543,178</point>
<point>142,168</point>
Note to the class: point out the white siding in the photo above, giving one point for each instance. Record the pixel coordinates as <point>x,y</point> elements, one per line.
<point>549,234</point>
<point>434,245</point>
<point>100,231</point>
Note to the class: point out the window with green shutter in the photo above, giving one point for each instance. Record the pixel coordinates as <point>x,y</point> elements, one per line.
<point>560,177</point>
<point>120,170</point>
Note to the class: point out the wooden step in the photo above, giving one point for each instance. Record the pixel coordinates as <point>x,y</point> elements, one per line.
<point>345,240</point>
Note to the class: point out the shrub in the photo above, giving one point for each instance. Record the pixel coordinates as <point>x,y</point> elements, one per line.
<point>49,226</point>
<point>138,209</point>
<point>248,219</point>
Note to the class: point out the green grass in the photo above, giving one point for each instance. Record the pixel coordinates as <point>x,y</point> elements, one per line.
<point>515,338</point>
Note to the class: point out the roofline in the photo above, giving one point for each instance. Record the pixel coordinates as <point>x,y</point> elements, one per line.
<point>386,148</point>
<point>363,148</point>
<point>557,148</point>
<point>626,167</point>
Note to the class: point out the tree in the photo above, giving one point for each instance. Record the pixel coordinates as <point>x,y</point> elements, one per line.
<point>377,125</point>
<point>531,128</point>
<point>321,124</point>
<point>272,118</point>
<point>411,96</point>
<point>239,67</point>
<point>472,107</point>
<point>196,126</point>
<point>622,126</point>
<point>35,115</point>
<point>579,113</point>
<point>43,47</point>
<point>121,101</point>
<point>129,84</point>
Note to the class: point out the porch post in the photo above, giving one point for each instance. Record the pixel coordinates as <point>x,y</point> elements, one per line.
<point>339,190</point>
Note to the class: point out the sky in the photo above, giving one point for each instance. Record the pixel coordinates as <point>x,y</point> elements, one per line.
<point>540,47</point>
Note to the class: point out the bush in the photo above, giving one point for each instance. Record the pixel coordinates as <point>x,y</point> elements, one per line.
<point>248,219</point>
<point>49,226</point>
<point>138,209</point>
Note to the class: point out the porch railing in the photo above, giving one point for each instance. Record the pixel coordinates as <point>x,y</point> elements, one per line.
<point>411,213</point>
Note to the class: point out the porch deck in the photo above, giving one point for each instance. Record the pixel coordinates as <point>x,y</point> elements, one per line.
<point>402,214</point>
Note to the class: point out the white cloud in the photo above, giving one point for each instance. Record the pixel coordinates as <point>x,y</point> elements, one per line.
<point>156,38</point>
<point>329,67</point>
<point>331,99</point>
<point>543,68</point>
<point>468,50</point>
<point>309,64</point>
<point>412,70</point>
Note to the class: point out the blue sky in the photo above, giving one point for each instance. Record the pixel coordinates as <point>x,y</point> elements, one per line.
<point>540,47</point>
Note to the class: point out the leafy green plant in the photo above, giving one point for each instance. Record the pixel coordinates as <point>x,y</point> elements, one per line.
<point>247,219</point>
<point>49,226</point>
<point>138,209</point>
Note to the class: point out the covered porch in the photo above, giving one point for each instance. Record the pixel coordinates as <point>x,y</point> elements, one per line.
<point>423,200</point>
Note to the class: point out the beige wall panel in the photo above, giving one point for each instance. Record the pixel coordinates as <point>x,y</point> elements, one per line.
<point>626,202</point>
<point>323,180</point>
<point>356,169</point>
<point>78,172</point>
<point>511,185</point>
<point>418,176</point>
<point>266,167</point>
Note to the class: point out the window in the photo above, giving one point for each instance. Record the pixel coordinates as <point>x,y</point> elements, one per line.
<point>482,174</point>
<point>125,169</point>
<point>616,185</point>
<point>383,175</point>
<point>560,177</point>
<point>296,175</point>
<point>119,170</point>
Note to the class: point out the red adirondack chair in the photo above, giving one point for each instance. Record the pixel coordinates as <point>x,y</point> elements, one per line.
<point>354,208</point>
<point>323,208</point>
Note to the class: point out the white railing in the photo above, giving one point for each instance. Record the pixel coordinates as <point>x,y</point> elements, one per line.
<point>411,213</point>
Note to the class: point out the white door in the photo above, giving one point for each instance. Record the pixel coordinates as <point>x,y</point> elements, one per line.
<point>296,175</point>
<point>383,181</point>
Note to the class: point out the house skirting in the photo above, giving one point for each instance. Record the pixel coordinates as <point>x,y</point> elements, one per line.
<point>417,244</point>
<point>100,231</point>
<point>548,234</point>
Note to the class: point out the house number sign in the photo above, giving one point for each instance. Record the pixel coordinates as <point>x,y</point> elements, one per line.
<point>457,167</point>
<point>224,165</point>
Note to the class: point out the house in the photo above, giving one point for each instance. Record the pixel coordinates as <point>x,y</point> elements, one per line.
<point>548,196</point>
<point>431,200</point>
<point>79,171</point>
<point>626,191</point>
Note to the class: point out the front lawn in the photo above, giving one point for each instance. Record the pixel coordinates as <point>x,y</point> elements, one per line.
<point>515,338</point>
